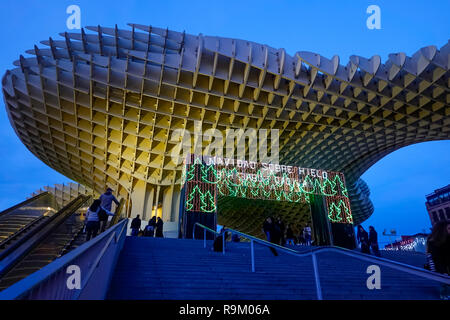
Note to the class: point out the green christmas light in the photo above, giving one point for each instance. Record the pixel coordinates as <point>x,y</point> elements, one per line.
<point>208,202</point>
<point>266,185</point>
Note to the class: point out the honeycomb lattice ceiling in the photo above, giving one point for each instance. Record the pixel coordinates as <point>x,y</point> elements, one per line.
<point>100,105</point>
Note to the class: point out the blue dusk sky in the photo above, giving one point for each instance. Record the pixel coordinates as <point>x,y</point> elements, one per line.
<point>398,183</point>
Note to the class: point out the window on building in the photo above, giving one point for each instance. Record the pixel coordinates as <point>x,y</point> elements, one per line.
<point>447,196</point>
<point>447,212</point>
<point>441,214</point>
<point>433,201</point>
<point>435,217</point>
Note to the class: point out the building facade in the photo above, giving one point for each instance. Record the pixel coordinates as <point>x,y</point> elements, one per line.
<point>438,205</point>
<point>101,105</point>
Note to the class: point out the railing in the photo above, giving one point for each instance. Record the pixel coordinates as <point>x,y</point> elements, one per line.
<point>114,220</point>
<point>11,209</point>
<point>22,230</point>
<point>117,213</point>
<point>385,262</point>
<point>76,234</point>
<point>84,273</point>
<point>205,228</point>
<point>67,247</point>
<point>23,245</point>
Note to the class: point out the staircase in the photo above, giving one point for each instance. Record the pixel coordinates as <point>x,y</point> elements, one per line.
<point>417,259</point>
<point>173,269</point>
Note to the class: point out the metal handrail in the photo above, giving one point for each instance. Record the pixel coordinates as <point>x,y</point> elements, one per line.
<point>14,252</point>
<point>10,209</point>
<point>117,213</point>
<point>66,248</point>
<point>205,228</point>
<point>26,227</point>
<point>21,288</point>
<point>115,219</point>
<point>114,237</point>
<point>268,244</point>
<point>22,230</point>
<point>314,251</point>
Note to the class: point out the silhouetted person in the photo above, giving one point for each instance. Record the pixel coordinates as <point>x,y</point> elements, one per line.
<point>219,240</point>
<point>363,239</point>
<point>106,202</point>
<point>289,235</point>
<point>135,226</point>
<point>358,236</point>
<point>107,199</point>
<point>300,238</point>
<point>307,235</point>
<point>267,227</point>
<point>94,215</point>
<point>159,228</point>
<point>438,251</point>
<point>373,241</point>
<point>149,230</point>
<point>350,231</point>
<point>272,233</point>
<point>280,228</point>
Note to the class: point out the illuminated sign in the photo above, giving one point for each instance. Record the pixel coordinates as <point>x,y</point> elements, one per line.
<point>207,178</point>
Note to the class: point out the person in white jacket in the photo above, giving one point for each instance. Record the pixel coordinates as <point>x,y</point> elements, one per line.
<point>93,218</point>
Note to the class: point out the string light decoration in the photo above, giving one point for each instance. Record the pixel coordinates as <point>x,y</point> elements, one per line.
<point>411,244</point>
<point>200,187</point>
<point>205,179</point>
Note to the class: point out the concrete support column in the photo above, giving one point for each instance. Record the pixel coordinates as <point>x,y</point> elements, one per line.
<point>175,214</point>
<point>137,199</point>
<point>167,204</point>
<point>144,201</point>
<point>148,207</point>
<point>155,206</point>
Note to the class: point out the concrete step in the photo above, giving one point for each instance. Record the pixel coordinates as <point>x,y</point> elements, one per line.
<point>155,268</point>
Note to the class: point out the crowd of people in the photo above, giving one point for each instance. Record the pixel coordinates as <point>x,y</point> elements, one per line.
<point>97,219</point>
<point>368,241</point>
<point>154,228</point>
<point>276,231</point>
<point>438,243</point>
<point>438,249</point>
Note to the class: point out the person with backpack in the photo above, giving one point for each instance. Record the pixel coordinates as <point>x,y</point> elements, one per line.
<point>106,199</point>
<point>93,215</point>
<point>135,226</point>
<point>149,230</point>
